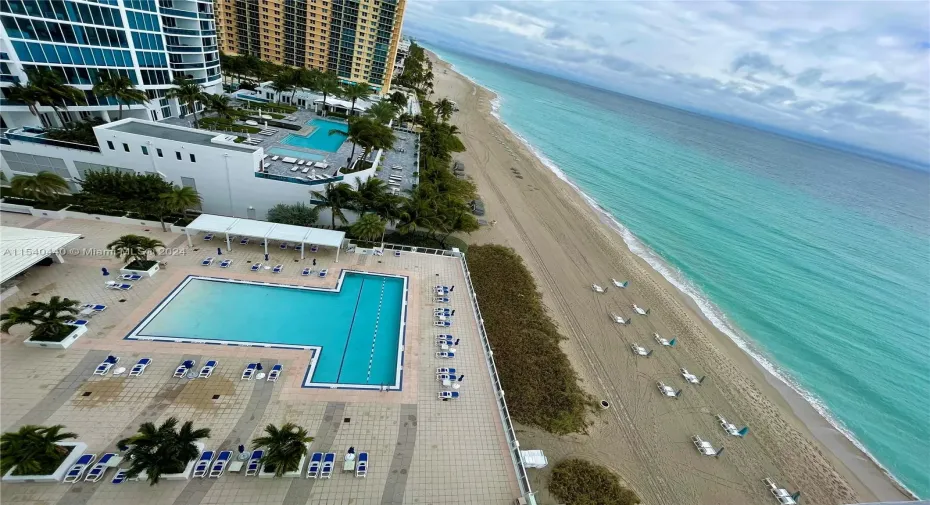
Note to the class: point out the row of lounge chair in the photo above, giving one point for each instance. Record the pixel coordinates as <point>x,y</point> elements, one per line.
<point>268,132</point>
<point>76,472</point>
<point>273,374</point>
<point>186,366</point>
<point>253,141</point>
<point>205,371</point>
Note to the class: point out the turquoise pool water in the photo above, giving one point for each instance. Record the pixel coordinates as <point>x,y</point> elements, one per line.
<point>320,139</point>
<point>280,151</point>
<point>357,328</point>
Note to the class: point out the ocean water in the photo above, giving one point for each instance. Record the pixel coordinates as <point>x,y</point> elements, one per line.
<point>358,328</point>
<point>816,261</point>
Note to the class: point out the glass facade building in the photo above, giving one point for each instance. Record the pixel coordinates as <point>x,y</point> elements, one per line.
<point>152,42</point>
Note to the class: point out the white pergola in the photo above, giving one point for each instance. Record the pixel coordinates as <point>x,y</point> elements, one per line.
<point>266,231</point>
<point>21,248</point>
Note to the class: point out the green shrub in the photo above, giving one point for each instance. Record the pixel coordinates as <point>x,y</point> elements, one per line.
<point>579,482</point>
<point>542,388</point>
<point>420,239</point>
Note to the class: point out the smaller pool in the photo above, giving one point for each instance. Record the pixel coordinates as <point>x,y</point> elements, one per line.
<point>304,155</point>
<point>320,139</point>
<point>250,98</point>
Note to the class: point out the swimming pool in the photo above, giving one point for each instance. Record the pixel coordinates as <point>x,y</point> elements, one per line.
<point>251,98</point>
<point>280,151</point>
<point>320,139</point>
<point>355,331</point>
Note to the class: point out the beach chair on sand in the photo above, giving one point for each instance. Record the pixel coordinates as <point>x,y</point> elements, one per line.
<point>96,473</point>
<point>207,369</point>
<point>254,463</point>
<point>77,469</point>
<point>361,469</point>
<point>139,367</point>
<point>249,371</point>
<point>106,365</point>
<point>183,368</point>
<point>326,471</point>
<point>219,466</point>
<point>313,469</point>
<point>275,372</point>
<point>203,464</point>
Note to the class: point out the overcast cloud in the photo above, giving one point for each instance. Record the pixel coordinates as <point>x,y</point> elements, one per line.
<point>855,72</point>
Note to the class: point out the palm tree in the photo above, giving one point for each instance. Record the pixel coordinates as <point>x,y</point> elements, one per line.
<point>327,85</point>
<point>297,214</point>
<point>282,83</point>
<point>299,78</point>
<point>187,92</point>
<point>121,88</point>
<point>29,94</point>
<point>56,94</point>
<point>369,192</point>
<point>398,99</point>
<point>284,447</point>
<point>383,111</point>
<point>367,133</point>
<point>48,319</point>
<point>335,197</point>
<point>368,227</point>
<point>162,450</point>
<point>178,199</point>
<point>44,186</point>
<point>444,109</point>
<point>354,91</point>
<point>418,211</point>
<point>33,450</point>
<point>134,247</point>
<point>220,105</point>
<point>389,208</point>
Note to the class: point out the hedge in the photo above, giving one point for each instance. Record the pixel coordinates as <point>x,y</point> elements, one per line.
<point>580,482</point>
<point>542,387</point>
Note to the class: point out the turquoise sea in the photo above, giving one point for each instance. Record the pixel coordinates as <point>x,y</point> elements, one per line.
<point>816,261</point>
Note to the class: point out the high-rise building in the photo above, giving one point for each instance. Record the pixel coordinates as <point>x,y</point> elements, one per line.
<point>151,42</point>
<point>355,39</point>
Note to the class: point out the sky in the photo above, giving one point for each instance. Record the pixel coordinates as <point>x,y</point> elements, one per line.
<point>851,72</point>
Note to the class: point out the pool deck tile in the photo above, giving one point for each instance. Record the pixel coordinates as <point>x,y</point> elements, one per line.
<point>47,386</point>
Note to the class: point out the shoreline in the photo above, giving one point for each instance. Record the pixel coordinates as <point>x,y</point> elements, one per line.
<point>865,474</point>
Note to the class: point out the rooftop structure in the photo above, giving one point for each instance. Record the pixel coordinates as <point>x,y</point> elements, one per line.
<point>22,248</point>
<point>150,42</point>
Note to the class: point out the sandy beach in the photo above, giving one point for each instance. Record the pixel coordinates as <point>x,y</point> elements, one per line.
<point>643,436</point>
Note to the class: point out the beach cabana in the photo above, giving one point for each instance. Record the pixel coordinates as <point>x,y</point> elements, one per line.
<point>266,231</point>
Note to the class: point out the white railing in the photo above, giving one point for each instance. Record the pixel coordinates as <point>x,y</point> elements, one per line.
<point>513,445</point>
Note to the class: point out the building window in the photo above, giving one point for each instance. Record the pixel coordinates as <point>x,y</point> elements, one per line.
<point>126,147</point>
<point>110,145</point>
<point>145,150</point>
<point>158,151</point>
<point>193,159</point>
<point>178,154</point>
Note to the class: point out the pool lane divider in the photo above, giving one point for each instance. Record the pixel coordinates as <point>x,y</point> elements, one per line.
<point>374,338</point>
<point>345,350</point>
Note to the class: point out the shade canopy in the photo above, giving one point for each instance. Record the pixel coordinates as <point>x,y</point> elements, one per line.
<point>21,248</point>
<point>265,230</point>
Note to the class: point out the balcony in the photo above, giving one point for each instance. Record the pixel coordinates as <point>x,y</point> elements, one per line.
<point>182,31</point>
<point>190,65</point>
<point>22,136</point>
<point>185,49</point>
<point>9,78</point>
<point>178,12</point>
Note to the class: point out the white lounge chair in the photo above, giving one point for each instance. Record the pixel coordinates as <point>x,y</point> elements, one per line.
<point>77,469</point>
<point>96,473</point>
<point>313,469</point>
<point>106,365</point>
<point>249,371</point>
<point>184,367</point>
<point>361,469</point>
<point>219,466</point>
<point>203,464</point>
<point>207,369</point>
<point>139,367</point>
<point>275,158</point>
<point>326,471</point>
<point>275,372</point>
<point>295,168</point>
<point>255,463</point>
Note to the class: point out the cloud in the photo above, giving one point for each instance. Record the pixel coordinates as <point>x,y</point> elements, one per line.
<point>857,71</point>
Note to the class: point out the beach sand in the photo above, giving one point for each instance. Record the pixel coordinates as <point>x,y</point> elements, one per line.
<point>645,437</point>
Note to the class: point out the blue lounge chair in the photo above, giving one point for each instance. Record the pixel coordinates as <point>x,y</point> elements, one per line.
<point>313,469</point>
<point>324,272</point>
<point>326,471</point>
<point>78,322</point>
<point>314,248</point>
<point>225,263</point>
<point>283,246</point>
<point>207,261</point>
<point>107,364</point>
<point>183,368</point>
<point>450,371</point>
<point>441,299</point>
<point>130,277</point>
<point>445,336</point>
<point>442,324</point>
<point>95,308</point>
<point>256,267</point>
<point>96,473</point>
<point>77,469</point>
<point>244,241</point>
<point>441,343</point>
<point>139,367</point>
<point>445,355</point>
<point>275,372</point>
<point>445,377</point>
<point>448,395</point>
<point>307,271</point>
<point>207,369</point>
<point>219,466</point>
<point>120,287</point>
<point>120,476</point>
<point>208,237</point>
<point>298,247</point>
<point>397,253</point>
<point>361,469</point>
<point>254,463</point>
<point>444,311</point>
<point>203,464</point>
<point>277,269</point>
<point>249,371</point>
